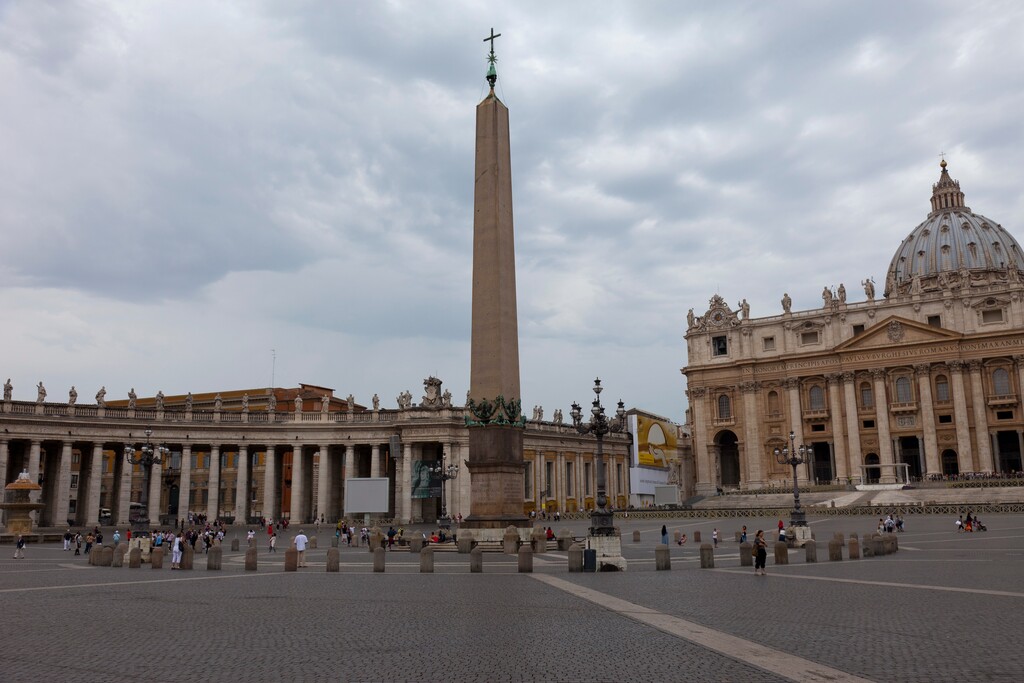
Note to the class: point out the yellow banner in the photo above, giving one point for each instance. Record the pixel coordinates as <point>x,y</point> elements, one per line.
<point>656,442</point>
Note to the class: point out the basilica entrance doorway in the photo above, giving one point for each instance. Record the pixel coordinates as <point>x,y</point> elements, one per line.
<point>910,453</point>
<point>950,464</point>
<point>871,469</point>
<point>822,466</point>
<point>1008,444</point>
<point>728,459</point>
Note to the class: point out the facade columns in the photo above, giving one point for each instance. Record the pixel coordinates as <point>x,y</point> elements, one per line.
<point>124,489</point>
<point>242,485</point>
<point>295,513</point>
<point>34,454</point>
<point>92,495</point>
<point>63,488</point>
<point>270,485</point>
<point>213,484</point>
<point>931,444</point>
<point>153,495</point>
<point>964,452</point>
<point>350,462</point>
<point>856,456</point>
<point>185,482</point>
<point>705,484</point>
<point>752,436</point>
<point>840,462</point>
<point>560,478</point>
<point>375,460</point>
<point>888,473</point>
<point>980,418</point>
<point>406,473</point>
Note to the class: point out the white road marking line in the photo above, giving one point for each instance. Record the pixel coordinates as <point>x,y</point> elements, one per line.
<point>780,663</point>
<point>889,584</point>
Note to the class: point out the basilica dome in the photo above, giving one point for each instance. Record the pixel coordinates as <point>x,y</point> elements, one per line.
<point>953,248</point>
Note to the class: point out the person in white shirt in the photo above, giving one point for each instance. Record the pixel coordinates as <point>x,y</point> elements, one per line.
<point>300,542</point>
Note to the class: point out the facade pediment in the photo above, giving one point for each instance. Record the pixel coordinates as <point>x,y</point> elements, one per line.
<point>894,331</point>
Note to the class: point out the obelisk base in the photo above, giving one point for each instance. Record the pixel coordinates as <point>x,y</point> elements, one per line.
<point>496,478</point>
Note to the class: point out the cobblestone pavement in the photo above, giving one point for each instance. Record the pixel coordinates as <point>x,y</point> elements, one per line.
<point>947,607</point>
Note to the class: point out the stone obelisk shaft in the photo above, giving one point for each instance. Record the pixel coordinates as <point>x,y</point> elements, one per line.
<point>495,450</point>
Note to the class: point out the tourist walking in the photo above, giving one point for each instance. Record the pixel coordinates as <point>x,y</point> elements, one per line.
<point>273,543</point>
<point>714,537</point>
<point>67,539</point>
<point>760,553</point>
<point>117,537</point>
<point>300,542</point>
<point>177,549</point>
<point>78,544</point>
<point>19,548</point>
<point>664,534</point>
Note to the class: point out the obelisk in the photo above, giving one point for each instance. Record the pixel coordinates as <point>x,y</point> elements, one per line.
<point>494,410</point>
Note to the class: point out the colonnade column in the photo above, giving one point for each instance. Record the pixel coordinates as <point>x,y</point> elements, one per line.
<point>375,460</point>
<point>34,450</point>
<point>124,489</point>
<point>63,489</point>
<point>931,444</point>
<point>213,484</point>
<point>405,472</point>
<point>4,455</point>
<point>965,457</point>
<point>852,422</point>
<point>298,485</point>
<point>270,485</point>
<point>323,485</point>
<point>581,490</point>
<point>242,486</point>
<point>888,473</point>
<point>704,483</point>
<point>92,494</point>
<point>981,434</point>
<point>1018,362</point>
<point>185,482</point>
<point>153,495</point>
<point>835,408</point>
<point>752,435</point>
<point>560,478</point>
<point>795,424</point>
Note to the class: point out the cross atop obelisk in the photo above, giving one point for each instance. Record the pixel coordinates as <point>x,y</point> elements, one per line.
<point>492,74</point>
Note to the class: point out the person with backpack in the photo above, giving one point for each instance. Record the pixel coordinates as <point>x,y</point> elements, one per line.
<point>760,553</point>
<point>19,548</point>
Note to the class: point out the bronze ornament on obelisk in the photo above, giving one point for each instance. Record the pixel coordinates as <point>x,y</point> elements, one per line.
<point>493,408</point>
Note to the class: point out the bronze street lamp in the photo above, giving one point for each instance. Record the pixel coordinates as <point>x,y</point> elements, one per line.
<point>447,473</point>
<point>601,519</point>
<point>794,455</point>
<point>146,456</point>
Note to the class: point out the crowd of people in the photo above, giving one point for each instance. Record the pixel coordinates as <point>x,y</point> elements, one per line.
<point>970,524</point>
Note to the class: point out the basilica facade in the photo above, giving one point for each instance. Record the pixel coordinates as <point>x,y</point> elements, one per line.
<point>924,381</point>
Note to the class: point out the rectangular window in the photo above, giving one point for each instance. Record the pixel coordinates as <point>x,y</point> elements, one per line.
<point>768,343</point>
<point>255,459</point>
<point>206,496</point>
<point>618,476</point>
<point>995,316</point>
<point>75,457</point>
<point>195,461</point>
<point>549,478</point>
<point>809,337</point>
<point>869,424</point>
<point>935,320</point>
<point>74,481</point>
<point>1004,414</point>
<point>570,491</point>
<point>818,428</point>
<point>72,506</point>
<point>945,419</point>
<point>719,346</point>
<point>224,461</point>
<point>586,478</point>
<point>528,481</point>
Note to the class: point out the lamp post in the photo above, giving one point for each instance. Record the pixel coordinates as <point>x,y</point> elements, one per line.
<point>146,456</point>
<point>447,473</point>
<point>794,455</point>
<point>601,519</point>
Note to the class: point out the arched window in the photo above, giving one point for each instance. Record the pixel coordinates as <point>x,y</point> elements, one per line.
<point>1001,382</point>
<point>867,397</point>
<point>941,389</point>
<point>817,396</point>
<point>903,393</point>
<point>773,403</point>
<point>724,407</point>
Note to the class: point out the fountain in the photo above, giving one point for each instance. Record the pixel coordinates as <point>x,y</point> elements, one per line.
<point>18,505</point>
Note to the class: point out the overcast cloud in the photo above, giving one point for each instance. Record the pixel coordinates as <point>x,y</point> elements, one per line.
<point>186,186</point>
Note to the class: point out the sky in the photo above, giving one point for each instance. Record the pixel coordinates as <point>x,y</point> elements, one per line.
<point>203,196</point>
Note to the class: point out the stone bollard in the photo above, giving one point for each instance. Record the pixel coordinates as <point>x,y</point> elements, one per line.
<point>333,560</point>
<point>895,543</point>
<point>869,550</point>
<point>476,560</point>
<point>854,547</point>
<point>156,558</point>
<point>234,545</point>
<point>187,557</point>
<point>378,560</point>
<point>877,545</point>
<point>415,544</point>
<point>510,541</point>
<point>675,537</point>
<point>739,536</point>
<point>781,552</point>
<point>746,554</point>
<point>707,556</point>
<point>376,539</point>
<point>835,550</point>
<point>313,542</point>
<point>565,540</point>
<point>576,558</point>
<point>662,558</point>
<point>118,556</point>
<point>696,537</point>
<point>526,560</point>
<point>538,541</point>
<point>106,556</point>
<point>291,560</point>
<point>810,551</point>
<point>636,536</point>
<point>214,558</point>
<point>889,544</point>
<point>839,537</point>
<point>250,559</point>
<point>465,542</point>
<point>135,558</point>
<point>334,541</point>
<point>94,555</point>
<point>427,561</point>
